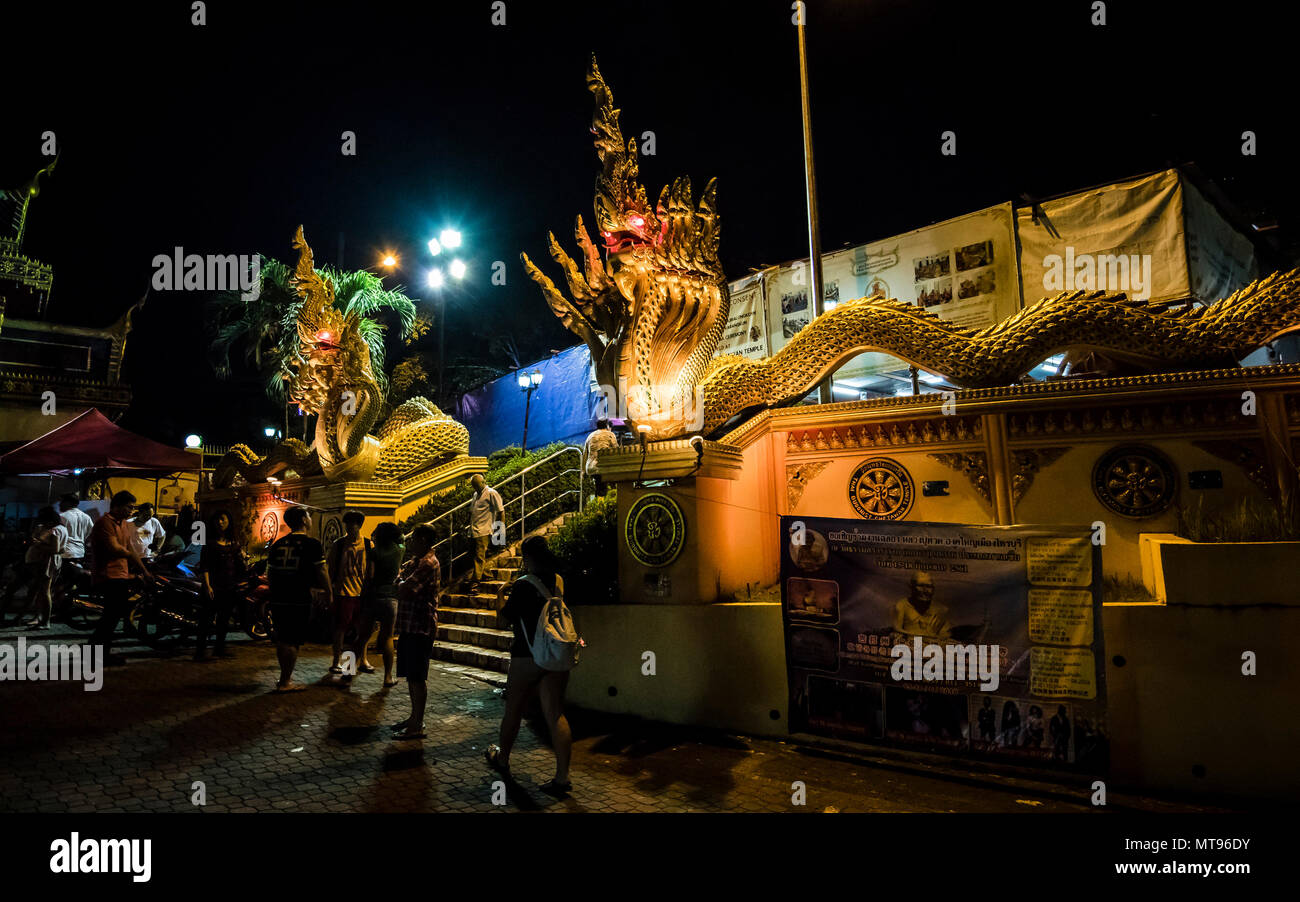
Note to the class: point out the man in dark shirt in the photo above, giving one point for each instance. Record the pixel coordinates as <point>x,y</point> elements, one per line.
<point>295,566</point>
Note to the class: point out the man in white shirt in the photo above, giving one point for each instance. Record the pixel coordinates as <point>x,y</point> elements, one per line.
<point>598,441</point>
<point>149,531</point>
<point>78,524</point>
<point>487,509</point>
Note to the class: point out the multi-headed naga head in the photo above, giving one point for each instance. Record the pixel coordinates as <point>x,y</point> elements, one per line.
<point>653,306</point>
<point>330,350</point>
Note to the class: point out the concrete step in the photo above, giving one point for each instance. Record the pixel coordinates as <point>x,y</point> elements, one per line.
<point>483,618</point>
<point>499,640</point>
<point>482,601</point>
<point>491,677</point>
<point>472,656</point>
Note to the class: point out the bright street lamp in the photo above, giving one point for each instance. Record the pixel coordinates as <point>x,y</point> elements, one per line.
<point>435,278</point>
<point>450,238</point>
<point>528,383</point>
<point>457,269</point>
<point>193,441</point>
<point>389,260</point>
<point>434,247</point>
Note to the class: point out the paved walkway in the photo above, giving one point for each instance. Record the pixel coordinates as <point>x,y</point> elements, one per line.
<point>161,724</point>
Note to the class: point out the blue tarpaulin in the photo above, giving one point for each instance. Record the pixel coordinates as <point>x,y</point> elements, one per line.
<point>563,406</point>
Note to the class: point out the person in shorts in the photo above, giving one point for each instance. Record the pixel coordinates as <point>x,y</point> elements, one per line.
<point>523,610</point>
<point>295,566</point>
<point>349,568</point>
<point>379,604</point>
<point>417,624</point>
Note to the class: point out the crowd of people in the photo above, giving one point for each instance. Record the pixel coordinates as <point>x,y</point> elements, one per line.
<point>385,582</point>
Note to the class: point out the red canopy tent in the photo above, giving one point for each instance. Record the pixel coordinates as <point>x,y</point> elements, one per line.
<point>91,442</point>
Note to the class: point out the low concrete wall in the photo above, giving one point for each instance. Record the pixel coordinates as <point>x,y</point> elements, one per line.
<point>1184,717</point>
<point>717,665</point>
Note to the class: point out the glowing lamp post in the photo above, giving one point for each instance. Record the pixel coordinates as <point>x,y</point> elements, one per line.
<point>528,383</point>
<point>447,239</point>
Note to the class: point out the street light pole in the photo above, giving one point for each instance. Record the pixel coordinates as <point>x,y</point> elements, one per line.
<point>528,383</point>
<point>814,230</point>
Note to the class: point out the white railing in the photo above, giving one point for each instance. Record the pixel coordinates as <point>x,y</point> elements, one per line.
<point>556,503</point>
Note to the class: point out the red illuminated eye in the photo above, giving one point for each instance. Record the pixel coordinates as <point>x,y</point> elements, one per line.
<point>322,336</point>
<point>636,222</point>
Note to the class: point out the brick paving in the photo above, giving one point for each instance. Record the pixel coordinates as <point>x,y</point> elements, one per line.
<point>161,724</point>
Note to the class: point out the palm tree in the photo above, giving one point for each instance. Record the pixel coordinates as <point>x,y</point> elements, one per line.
<point>266,325</point>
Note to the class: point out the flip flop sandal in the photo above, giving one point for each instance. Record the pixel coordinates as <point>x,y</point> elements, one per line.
<point>281,690</point>
<point>552,788</point>
<point>418,734</point>
<point>365,670</point>
<point>390,685</point>
<point>334,668</point>
<point>492,754</point>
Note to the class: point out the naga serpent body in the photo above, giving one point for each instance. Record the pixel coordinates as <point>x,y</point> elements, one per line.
<point>653,310</point>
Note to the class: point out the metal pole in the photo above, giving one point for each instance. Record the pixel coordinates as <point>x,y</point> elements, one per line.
<point>814,230</point>
<point>442,321</point>
<point>528,401</point>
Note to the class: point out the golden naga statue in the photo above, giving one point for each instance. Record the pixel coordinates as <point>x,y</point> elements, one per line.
<point>652,314</point>
<point>334,380</point>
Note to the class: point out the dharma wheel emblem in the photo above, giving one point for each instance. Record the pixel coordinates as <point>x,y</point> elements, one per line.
<point>881,489</point>
<point>1134,481</point>
<point>332,531</point>
<point>270,527</point>
<point>655,530</point>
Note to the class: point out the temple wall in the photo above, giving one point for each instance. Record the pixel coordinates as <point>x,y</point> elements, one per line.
<point>716,665</point>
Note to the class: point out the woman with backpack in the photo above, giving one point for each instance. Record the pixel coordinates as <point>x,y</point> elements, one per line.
<point>530,594</point>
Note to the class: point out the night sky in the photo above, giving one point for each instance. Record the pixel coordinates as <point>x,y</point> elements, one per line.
<point>223,138</point>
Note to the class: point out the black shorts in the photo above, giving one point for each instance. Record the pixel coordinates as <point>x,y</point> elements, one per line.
<point>289,623</point>
<point>413,653</point>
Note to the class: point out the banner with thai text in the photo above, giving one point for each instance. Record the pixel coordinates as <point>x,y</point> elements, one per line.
<point>981,640</point>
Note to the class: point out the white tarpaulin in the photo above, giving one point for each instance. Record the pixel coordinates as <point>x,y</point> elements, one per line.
<point>1124,237</point>
<point>1220,258</point>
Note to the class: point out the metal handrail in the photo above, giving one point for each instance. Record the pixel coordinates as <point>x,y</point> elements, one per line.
<point>524,492</point>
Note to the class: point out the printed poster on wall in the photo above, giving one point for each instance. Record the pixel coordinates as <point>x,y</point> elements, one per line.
<point>746,330</point>
<point>981,640</point>
<point>963,270</point>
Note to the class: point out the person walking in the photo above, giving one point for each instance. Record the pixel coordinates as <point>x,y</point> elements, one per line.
<point>487,510</point>
<point>379,604</point>
<point>350,573</point>
<point>113,547</point>
<point>78,524</point>
<point>523,609</point>
<point>417,624</point>
<point>222,565</point>
<point>295,567</point>
<point>49,541</point>
<point>599,440</point>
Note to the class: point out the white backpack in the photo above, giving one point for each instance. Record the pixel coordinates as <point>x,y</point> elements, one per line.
<point>555,643</point>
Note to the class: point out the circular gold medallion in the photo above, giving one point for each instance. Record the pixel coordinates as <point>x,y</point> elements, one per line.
<point>1135,481</point>
<point>881,489</point>
<point>655,530</point>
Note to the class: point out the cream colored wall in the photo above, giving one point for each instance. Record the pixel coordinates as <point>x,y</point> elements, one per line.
<point>1180,700</point>
<point>1062,493</point>
<point>717,665</point>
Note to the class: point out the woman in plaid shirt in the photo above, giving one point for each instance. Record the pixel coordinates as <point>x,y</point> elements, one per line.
<point>417,598</point>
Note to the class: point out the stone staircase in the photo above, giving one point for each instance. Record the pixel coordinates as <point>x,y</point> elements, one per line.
<point>471,634</point>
